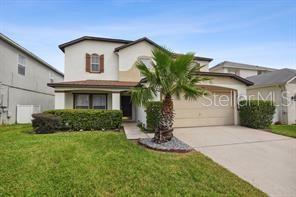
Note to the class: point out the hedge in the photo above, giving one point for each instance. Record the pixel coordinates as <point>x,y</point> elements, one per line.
<point>256,114</point>
<point>87,119</point>
<point>153,110</point>
<point>46,123</point>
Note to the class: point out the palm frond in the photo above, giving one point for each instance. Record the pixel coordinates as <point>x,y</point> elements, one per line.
<point>141,95</point>
<point>193,92</point>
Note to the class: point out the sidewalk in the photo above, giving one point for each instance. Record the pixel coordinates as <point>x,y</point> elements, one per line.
<point>133,132</point>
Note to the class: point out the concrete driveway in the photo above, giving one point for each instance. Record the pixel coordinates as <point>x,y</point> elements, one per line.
<point>266,160</point>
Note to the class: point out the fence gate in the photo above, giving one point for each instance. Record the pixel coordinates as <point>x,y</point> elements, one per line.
<point>24,113</point>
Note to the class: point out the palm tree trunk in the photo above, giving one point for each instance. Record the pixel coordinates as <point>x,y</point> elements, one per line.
<point>164,132</point>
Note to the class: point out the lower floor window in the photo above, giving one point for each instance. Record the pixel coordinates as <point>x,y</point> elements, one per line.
<point>90,101</point>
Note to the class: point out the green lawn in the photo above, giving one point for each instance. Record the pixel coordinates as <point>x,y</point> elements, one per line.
<point>105,164</point>
<point>287,130</point>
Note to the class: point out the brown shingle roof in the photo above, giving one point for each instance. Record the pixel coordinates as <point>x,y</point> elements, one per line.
<point>95,84</point>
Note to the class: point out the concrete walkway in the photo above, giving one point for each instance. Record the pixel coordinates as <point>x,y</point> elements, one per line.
<point>266,160</point>
<point>133,132</point>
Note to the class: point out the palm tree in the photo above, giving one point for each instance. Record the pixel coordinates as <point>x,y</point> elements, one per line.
<point>172,76</point>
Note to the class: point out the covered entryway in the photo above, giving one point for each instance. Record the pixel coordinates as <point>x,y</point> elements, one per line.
<point>216,108</point>
<point>126,106</point>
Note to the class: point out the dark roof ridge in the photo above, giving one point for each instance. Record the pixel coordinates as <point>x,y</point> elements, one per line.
<point>135,42</point>
<point>246,66</point>
<point>234,76</point>
<point>66,44</point>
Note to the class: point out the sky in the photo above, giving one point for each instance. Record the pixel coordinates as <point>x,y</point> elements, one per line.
<point>246,31</point>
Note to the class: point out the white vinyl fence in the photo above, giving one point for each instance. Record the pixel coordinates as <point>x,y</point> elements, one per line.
<point>24,113</point>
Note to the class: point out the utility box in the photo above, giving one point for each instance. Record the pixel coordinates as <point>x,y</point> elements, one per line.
<point>24,113</point>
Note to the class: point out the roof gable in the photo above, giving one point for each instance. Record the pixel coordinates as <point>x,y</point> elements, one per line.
<point>64,45</point>
<point>126,43</point>
<point>144,39</point>
<point>228,64</point>
<point>278,77</point>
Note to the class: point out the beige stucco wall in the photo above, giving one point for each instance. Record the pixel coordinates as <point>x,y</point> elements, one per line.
<point>28,89</point>
<point>129,56</point>
<point>247,73</point>
<point>218,70</point>
<point>75,60</point>
<point>227,82</point>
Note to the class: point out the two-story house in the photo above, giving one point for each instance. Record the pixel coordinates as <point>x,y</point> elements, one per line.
<point>99,72</point>
<point>242,70</point>
<point>23,80</point>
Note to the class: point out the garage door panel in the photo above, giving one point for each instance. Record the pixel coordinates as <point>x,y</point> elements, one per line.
<point>201,107</point>
<point>192,113</point>
<point>205,111</point>
<point>202,103</point>
<point>193,122</point>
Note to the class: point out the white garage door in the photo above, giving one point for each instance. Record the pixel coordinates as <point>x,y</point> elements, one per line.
<point>214,109</point>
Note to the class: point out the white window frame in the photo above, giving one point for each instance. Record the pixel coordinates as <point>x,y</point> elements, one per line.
<point>21,64</point>
<point>51,77</point>
<point>140,58</point>
<point>91,63</point>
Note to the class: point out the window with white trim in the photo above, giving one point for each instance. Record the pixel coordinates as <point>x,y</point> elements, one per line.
<point>51,77</point>
<point>95,63</point>
<point>99,101</point>
<point>147,61</point>
<point>90,101</point>
<point>21,66</point>
<point>81,101</point>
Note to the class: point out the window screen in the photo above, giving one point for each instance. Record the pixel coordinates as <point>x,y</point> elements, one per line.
<point>21,67</point>
<point>81,101</point>
<point>147,61</point>
<point>21,70</point>
<point>99,101</point>
<point>95,63</point>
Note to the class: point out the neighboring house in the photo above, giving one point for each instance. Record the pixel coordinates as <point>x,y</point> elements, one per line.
<point>242,70</point>
<point>280,87</point>
<point>23,80</point>
<point>99,72</point>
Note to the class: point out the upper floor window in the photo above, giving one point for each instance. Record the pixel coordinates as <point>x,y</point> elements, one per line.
<point>147,61</point>
<point>234,71</point>
<point>259,72</point>
<point>95,63</point>
<point>51,77</point>
<point>21,66</point>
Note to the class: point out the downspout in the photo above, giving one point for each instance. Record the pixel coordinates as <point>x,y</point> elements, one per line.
<point>284,108</point>
<point>1,104</point>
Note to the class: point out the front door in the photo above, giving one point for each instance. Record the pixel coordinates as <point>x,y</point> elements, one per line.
<point>126,106</point>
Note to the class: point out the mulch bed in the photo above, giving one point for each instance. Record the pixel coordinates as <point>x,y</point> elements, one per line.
<point>175,145</point>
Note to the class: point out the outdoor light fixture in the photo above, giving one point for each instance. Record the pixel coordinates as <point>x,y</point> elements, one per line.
<point>293,98</point>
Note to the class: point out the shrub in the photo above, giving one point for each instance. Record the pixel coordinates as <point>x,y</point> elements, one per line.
<point>46,123</point>
<point>256,113</point>
<point>153,110</point>
<point>88,119</point>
